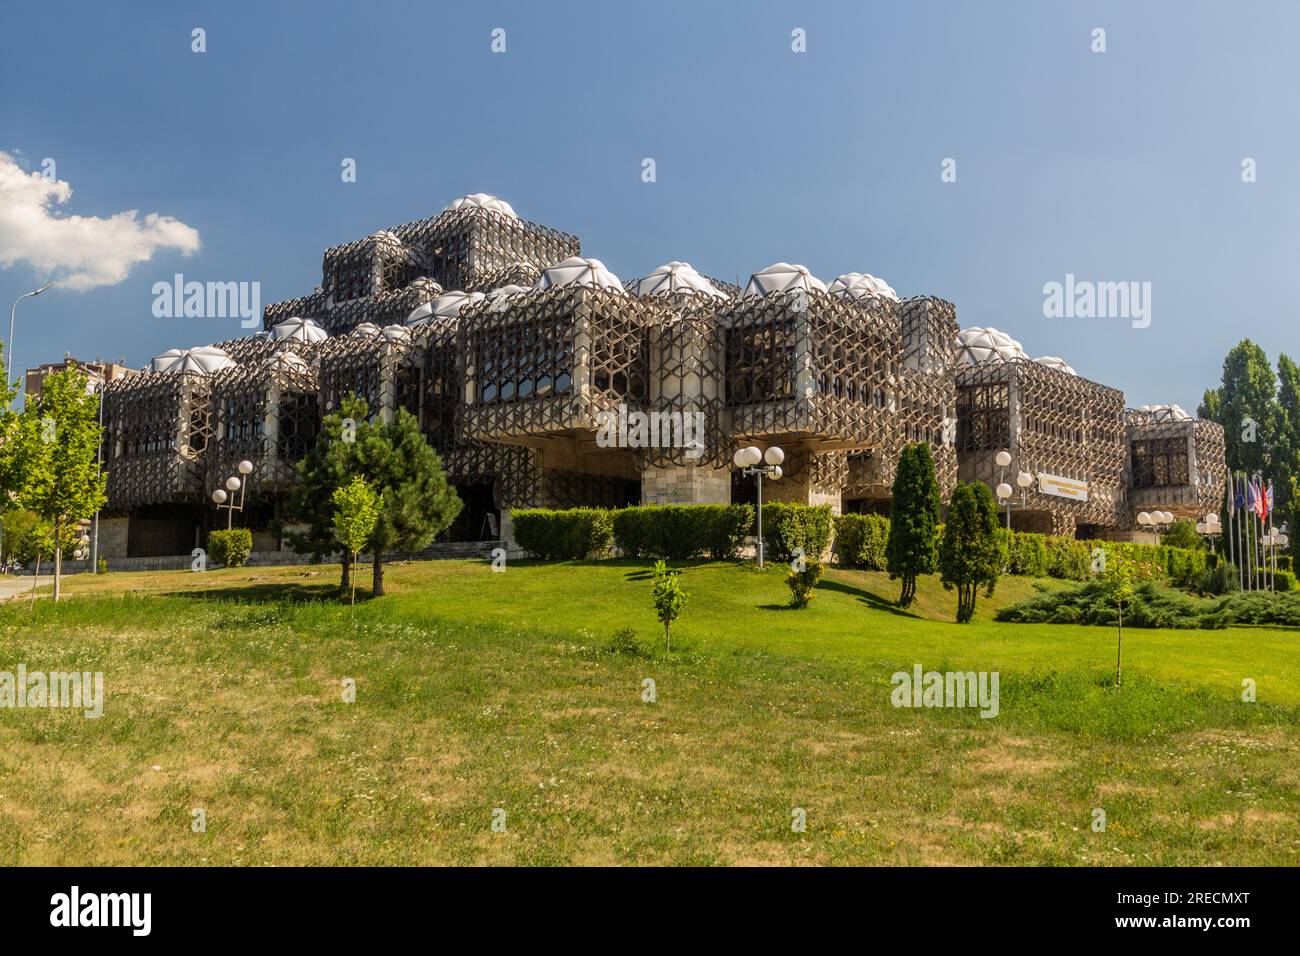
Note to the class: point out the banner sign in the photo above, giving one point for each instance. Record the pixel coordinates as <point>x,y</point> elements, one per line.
<point>1063,487</point>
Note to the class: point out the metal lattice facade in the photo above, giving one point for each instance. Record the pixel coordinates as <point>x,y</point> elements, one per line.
<point>531,370</point>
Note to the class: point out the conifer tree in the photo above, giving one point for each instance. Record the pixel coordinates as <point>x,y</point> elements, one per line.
<point>914,520</point>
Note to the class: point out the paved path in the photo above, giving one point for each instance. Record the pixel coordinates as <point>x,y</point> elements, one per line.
<point>12,585</point>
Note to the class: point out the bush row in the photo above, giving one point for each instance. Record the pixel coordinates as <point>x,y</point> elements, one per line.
<point>679,532</point>
<point>1155,606</point>
<point>230,548</point>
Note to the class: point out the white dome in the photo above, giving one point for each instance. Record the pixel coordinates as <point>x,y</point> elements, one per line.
<point>365,328</point>
<point>579,271</point>
<point>483,201</point>
<point>285,359</point>
<point>782,277</point>
<point>675,277</point>
<point>396,333</point>
<point>202,361</point>
<point>977,345</point>
<point>500,297</point>
<point>1060,364</point>
<point>1165,413</point>
<point>446,306</point>
<point>298,330</point>
<point>860,285</point>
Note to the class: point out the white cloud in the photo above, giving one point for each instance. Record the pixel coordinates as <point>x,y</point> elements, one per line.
<point>83,251</point>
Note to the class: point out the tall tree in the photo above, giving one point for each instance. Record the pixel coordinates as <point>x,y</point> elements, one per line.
<point>1245,404</point>
<point>914,520</point>
<point>58,441</point>
<point>1286,456</point>
<point>970,555</point>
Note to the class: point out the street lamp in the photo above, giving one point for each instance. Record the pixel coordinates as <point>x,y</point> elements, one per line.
<point>1154,521</point>
<point>754,461</point>
<point>233,484</point>
<point>9,359</point>
<point>1004,491</point>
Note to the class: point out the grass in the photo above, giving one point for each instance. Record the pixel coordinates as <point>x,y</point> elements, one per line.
<point>478,690</point>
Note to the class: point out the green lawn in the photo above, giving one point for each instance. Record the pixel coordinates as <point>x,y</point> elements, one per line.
<point>479,690</point>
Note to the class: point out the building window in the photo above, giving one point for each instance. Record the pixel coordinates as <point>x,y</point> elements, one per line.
<point>983,417</point>
<point>1160,463</point>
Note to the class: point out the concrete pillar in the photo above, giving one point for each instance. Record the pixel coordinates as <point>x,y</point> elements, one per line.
<point>686,485</point>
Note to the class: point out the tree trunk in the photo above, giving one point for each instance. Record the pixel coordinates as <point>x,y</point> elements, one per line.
<point>377,590</point>
<point>58,555</point>
<point>1119,653</point>
<point>668,637</point>
<point>35,576</point>
<point>354,587</point>
<point>347,573</point>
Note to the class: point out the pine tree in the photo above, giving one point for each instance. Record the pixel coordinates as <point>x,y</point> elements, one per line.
<point>1245,404</point>
<point>1286,456</point>
<point>971,553</point>
<point>418,504</point>
<point>329,465</point>
<point>914,520</point>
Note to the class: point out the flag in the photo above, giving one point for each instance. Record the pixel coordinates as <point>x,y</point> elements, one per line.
<point>1260,505</point>
<point>1238,497</point>
<point>1268,498</point>
<point>1250,494</point>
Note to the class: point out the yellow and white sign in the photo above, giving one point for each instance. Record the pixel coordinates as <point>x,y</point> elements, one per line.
<point>1063,487</point>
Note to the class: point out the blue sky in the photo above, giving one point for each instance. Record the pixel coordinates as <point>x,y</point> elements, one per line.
<point>1118,166</point>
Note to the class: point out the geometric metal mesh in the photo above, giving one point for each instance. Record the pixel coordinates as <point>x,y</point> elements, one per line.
<point>1051,422</point>
<point>1174,465</point>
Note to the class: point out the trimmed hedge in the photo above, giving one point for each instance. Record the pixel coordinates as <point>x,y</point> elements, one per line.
<point>860,541</point>
<point>1026,553</point>
<point>787,527</point>
<point>678,532</point>
<point>231,547</point>
<point>569,535</point>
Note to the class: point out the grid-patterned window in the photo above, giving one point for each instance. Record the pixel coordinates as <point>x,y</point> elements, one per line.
<point>983,416</point>
<point>1160,463</point>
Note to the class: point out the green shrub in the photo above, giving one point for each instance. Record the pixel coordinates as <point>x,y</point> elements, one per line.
<point>568,535</point>
<point>788,527</point>
<point>1220,579</point>
<point>1027,554</point>
<point>1256,607</point>
<point>1068,559</point>
<point>803,582</point>
<point>1151,606</point>
<point>678,532</point>
<point>1282,580</point>
<point>860,541</point>
<point>230,548</point>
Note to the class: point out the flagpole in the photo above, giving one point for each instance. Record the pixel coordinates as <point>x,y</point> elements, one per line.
<point>1232,514</point>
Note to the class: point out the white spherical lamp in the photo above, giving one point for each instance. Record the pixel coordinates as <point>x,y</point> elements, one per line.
<point>245,467</point>
<point>1024,479</point>
<point>232,483</point>
<point>776,473</point>
<point>219,496</point>
<point>1003,459</point>
<point>1004,491</point>
<point>1144,518</point>
<point>774,456</point>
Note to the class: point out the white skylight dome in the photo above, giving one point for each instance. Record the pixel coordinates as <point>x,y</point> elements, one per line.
<point>672,277</point>
<point>446,306</point>
<point>861,285</point>
<point>396,333</point>
<point>483,201</point>
<point>782,277</point>
<point>203,360</point>
<point>499,298</point>
<point>977,345</point>
<point>1165,413</point>
<point>365,328</point>
<point>285,359</point>
<point>579,271</point>
<point>297,329</point>
<point>1060,364</point>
